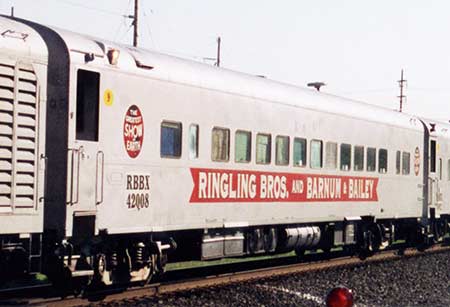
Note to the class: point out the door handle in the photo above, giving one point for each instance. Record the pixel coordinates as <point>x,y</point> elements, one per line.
<point>99,178</point>
<point>76,175</point>
<point>69,192</point>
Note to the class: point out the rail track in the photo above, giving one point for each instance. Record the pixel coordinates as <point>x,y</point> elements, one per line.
<point>216,278</point>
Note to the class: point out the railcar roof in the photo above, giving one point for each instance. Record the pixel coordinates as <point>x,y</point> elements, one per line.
<point>198,74</point>
<point>174,69</point>
<point>19,38</point>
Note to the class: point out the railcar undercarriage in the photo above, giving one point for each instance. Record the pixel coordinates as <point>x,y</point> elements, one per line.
<point>105,259</point>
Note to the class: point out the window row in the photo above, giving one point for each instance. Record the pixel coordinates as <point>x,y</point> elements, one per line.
<point>319,156</point>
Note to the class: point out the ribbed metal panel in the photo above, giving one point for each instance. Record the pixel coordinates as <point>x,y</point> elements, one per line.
<point>6,106</point>
<point>5,129</point>
<point>18,117</point>
<point>6,117</point>
<point>6,82</point>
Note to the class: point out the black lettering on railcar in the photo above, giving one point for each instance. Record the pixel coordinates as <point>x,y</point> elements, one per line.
<point>139,191</point>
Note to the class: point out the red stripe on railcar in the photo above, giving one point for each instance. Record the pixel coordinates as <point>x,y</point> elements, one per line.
<point>218,185</point>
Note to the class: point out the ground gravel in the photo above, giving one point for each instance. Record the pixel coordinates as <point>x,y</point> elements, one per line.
<point>422,281</point>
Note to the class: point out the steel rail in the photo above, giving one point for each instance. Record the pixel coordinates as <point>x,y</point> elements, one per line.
<point>109,296</point>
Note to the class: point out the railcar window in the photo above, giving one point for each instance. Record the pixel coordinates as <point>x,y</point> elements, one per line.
<point>331,155</point>
<point>406,164</point>
<point>448,170</point>
<point>371,159</point>
<point>299,152</point>
<point>346,155</point>
<point>170,140</point>
<point>88,83</point>
<point>382,161</point>
<point>359,158</point>
<point>220,150</point>
<point>263,148</point>
<point>397,162</point>
<point>282,150</point>
<point>316,154</point>
<point>243,145</point>
<point>193,141</point>
<point>440,169</point>
<point>433,157</point>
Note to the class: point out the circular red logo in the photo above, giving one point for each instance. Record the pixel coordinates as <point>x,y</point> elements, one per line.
<point>133,131</point>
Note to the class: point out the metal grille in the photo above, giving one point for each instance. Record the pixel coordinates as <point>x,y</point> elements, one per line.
<point>18,133</point>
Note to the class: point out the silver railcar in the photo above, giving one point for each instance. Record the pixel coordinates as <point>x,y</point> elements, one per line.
<point>136,158</point>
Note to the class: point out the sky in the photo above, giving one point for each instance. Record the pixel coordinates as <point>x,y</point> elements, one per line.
<point>357,47</point>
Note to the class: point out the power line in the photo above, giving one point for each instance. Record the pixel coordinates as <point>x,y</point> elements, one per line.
<point>122,23</point>
<point>375,90</point>
<point>149,28</point>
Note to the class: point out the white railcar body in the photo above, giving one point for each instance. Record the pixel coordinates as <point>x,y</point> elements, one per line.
<point>190,93</point>
<point>23,77</point>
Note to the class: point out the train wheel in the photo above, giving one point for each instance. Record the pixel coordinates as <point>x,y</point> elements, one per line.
<point>101,273</point>
<point>371,241</point>
<point>63,282</point>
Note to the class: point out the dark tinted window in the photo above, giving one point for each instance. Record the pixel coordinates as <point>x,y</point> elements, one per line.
<point>359,158</point>
<point>88,83</point>
<point>382,161</point>
<point>433,157</point>
<point>346,156</point>
<point>299,152</point>
<point>170,139</point>
<point>371,159</point>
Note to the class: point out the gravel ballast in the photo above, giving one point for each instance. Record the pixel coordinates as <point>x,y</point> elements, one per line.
<point>418,281</point>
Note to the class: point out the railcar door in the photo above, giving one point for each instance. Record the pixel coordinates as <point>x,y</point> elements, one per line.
<point>85,156</point>
<point>435,176</point>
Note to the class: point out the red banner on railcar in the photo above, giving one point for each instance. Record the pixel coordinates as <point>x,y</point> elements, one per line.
<point>216,185</point>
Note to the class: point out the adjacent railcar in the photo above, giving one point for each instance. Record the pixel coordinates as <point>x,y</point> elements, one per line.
<point>141,158</point>
<point>23,102</point>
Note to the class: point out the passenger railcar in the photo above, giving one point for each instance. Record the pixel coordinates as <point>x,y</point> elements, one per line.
<point>127,158</point>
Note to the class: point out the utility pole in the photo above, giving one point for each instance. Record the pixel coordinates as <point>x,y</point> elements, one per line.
<point>218,52</point>
<point>12,11</point>
<point>135,23</point>
<point>401,83</point>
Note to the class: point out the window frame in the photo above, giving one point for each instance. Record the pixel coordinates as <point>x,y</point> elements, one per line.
<point>374,150</point>
<point>327,166</point>
<point>249,133</point>
<point>379,161</point>
<point>448,169</point>
<point>398,162</point>
<point>280,137</point>
<point>171,122</point>
<point>311,154</point>
<point>404,159</point>
<point>341,165</point>
<point>355,149</point>
<point>269,146</point>
<point>84,132</point>
<point>197,141</point>
<point>305,142</point>
<point>227,144</point>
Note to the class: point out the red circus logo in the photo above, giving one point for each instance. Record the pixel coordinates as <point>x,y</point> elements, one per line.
<point>133,131</point>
